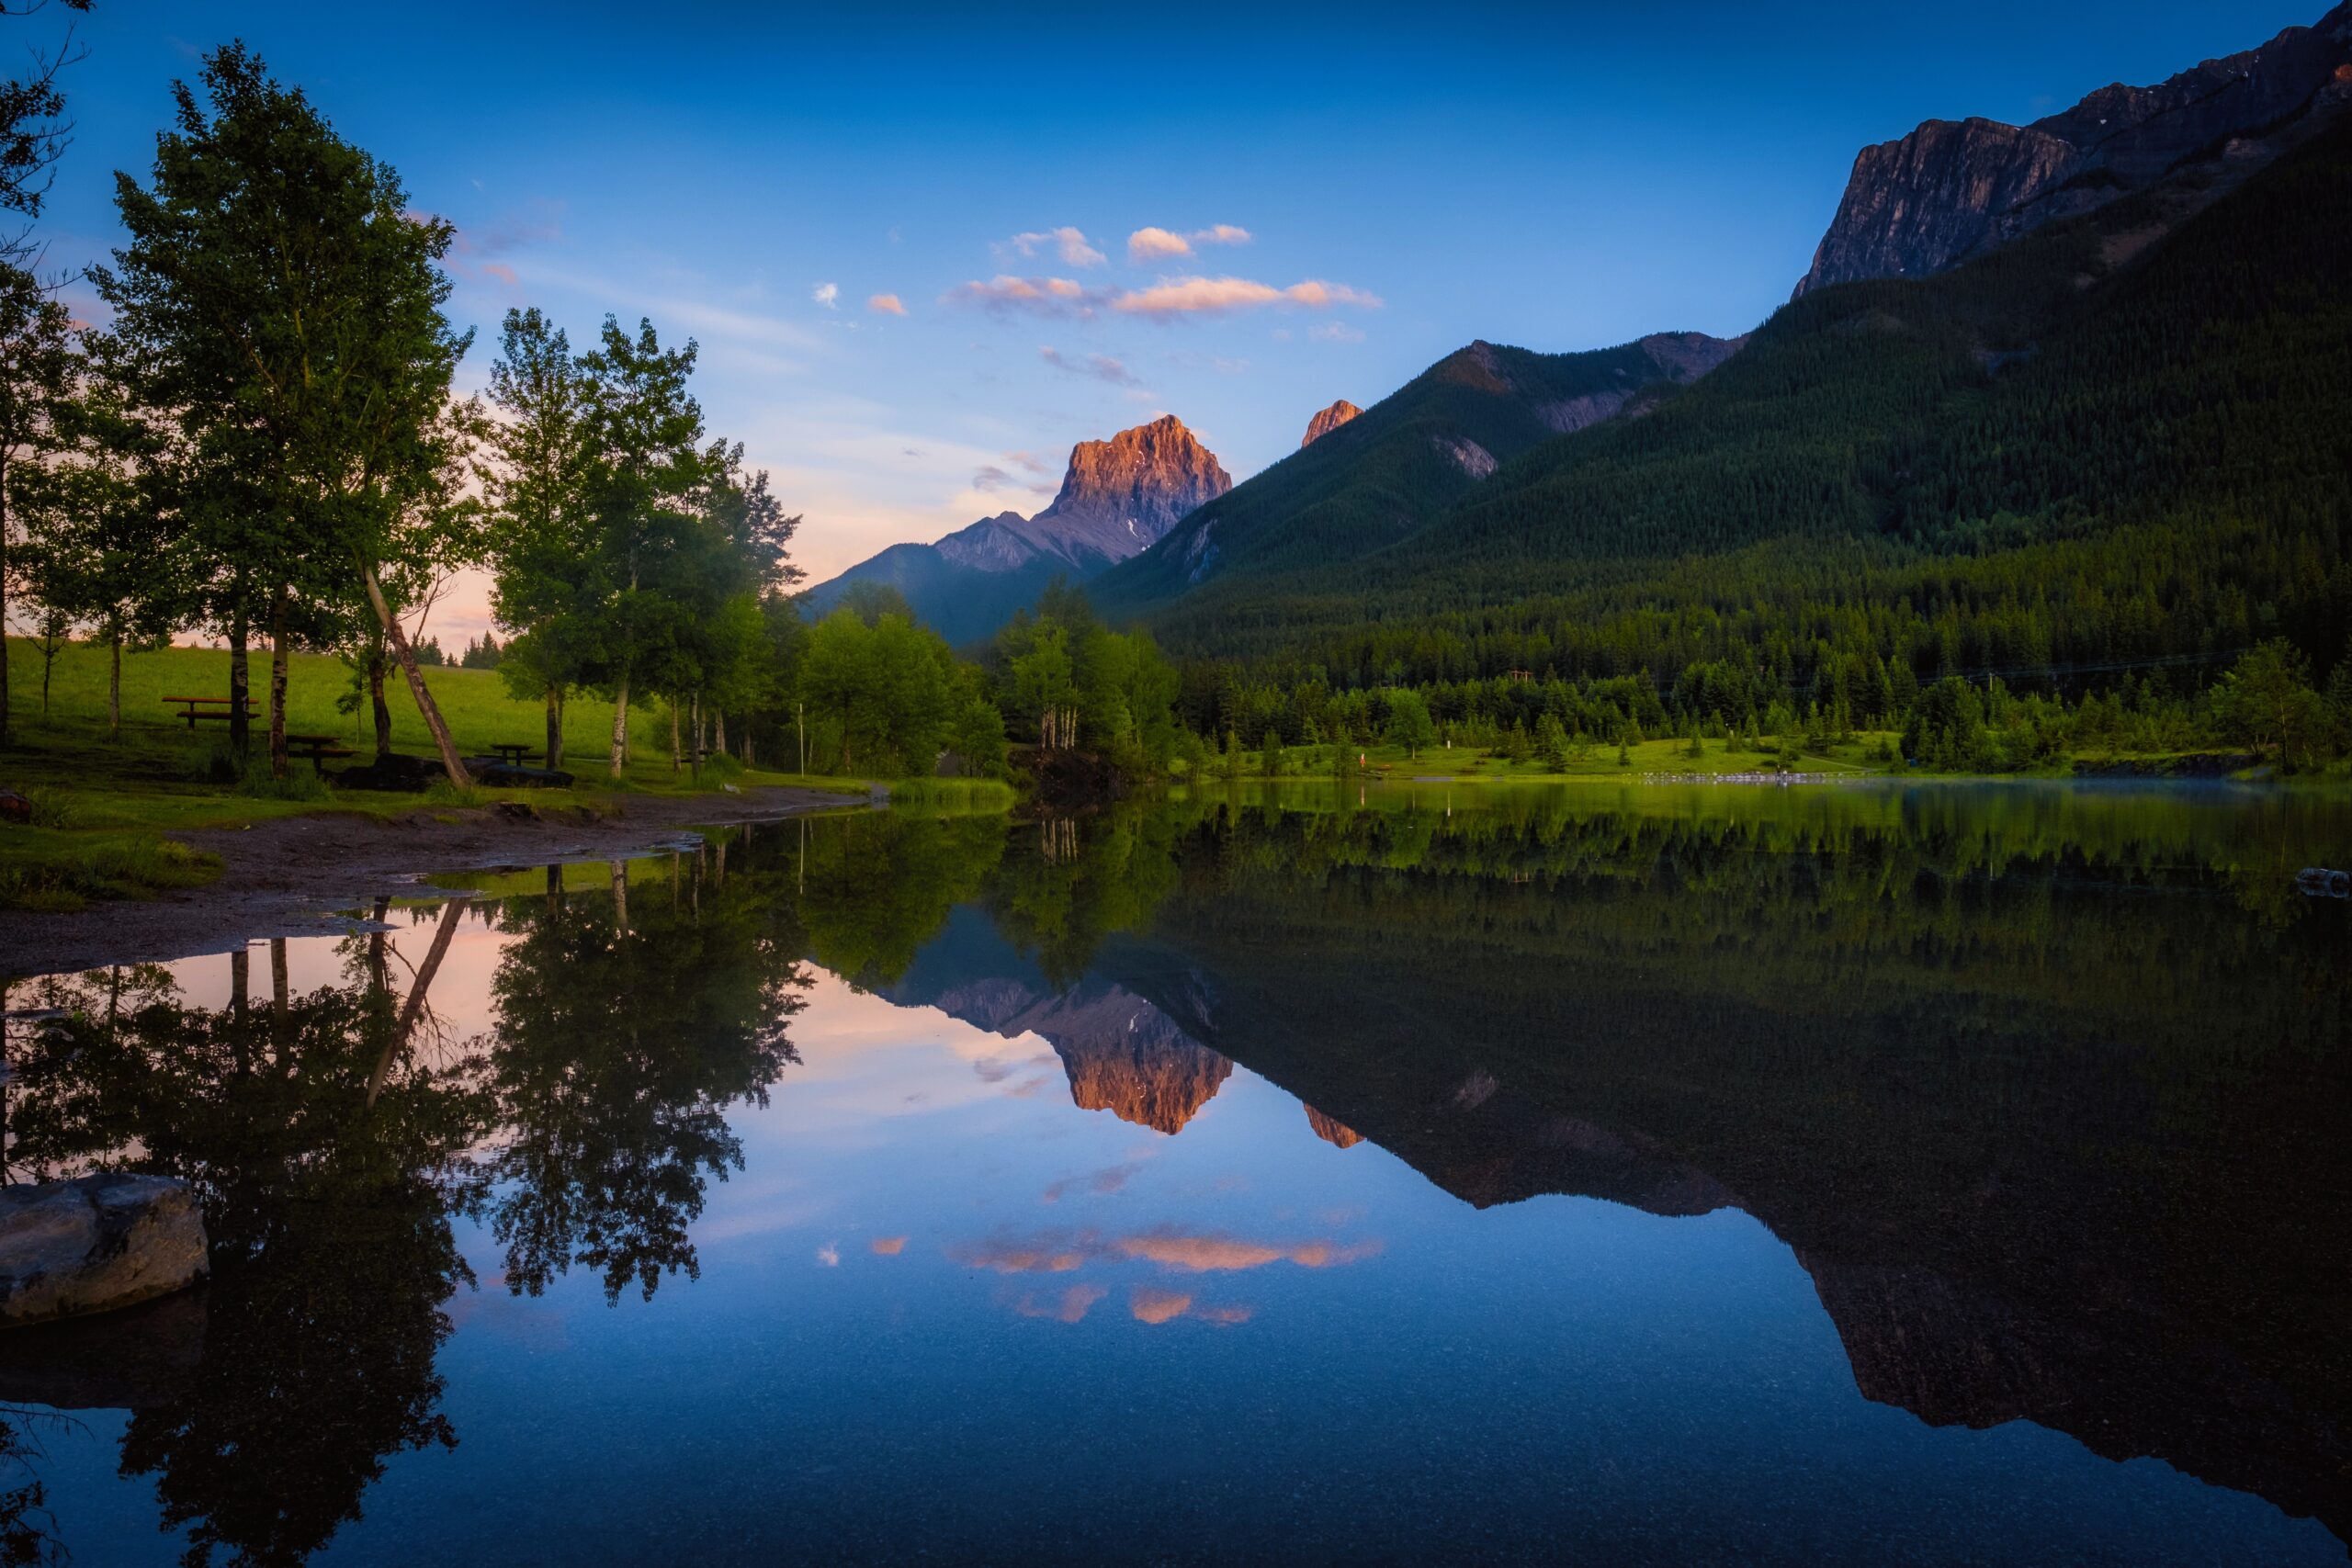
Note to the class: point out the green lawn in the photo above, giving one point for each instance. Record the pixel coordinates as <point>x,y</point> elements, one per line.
<point>1646,757</point>
<point>103,803</point>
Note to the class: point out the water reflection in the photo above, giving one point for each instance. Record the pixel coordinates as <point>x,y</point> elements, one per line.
<point>2039,1086</point>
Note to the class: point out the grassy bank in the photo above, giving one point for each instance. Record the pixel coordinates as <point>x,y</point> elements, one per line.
<point>106,804</point>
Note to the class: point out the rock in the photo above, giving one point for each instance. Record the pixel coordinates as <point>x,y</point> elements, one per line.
<point>1953,189</point>
<point>1119,496</point>
<point>1330,420</point>
<point>1339,1134</point>
<point>68,1247</point>
<point>15,807</point>
<point>393,773</point>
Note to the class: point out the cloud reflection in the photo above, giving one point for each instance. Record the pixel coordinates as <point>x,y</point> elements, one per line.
<point>1067,1307</point>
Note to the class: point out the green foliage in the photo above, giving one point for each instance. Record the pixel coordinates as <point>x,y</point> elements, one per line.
<point>57,872</point>
<point>1065,678</point>
<point>1409,724</point>
<point>2051,466</point>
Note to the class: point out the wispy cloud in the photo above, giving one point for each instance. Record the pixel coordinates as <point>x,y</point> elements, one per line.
<point>1153,243</point>
<point>885,305</point>
<point>1065,242</point>
<point>1217,296</point>
<point>1335,332</point>
<point>1067,1307</point>
<point>991,480</point>
<point>1111,1178</point>
<point>1100,367</point>
<point>829,295</point>
<point>1006,294</point>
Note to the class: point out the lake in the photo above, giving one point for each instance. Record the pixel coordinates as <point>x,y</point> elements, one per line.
<point>1903,1172</point>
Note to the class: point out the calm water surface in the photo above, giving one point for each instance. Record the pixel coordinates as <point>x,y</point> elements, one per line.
<point>1856,1175</point>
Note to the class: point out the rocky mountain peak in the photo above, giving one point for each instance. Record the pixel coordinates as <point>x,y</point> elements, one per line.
<point>1330,420</point>
<point>1953,189</point>
<point>1119,496</point>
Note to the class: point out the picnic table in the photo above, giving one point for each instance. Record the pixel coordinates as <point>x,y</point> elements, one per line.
<point>515,755</point>
<point>316,749</point>
<point>194,708</point>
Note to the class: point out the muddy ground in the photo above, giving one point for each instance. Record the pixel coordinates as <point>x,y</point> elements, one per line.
<point>301,875</point>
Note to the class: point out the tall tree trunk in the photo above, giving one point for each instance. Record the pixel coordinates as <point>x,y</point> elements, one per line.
<point>620,727</point>
<point>241,685</point>
<point>425,703</point>
<point>673,734</point>
<point>3,601</point>
<point>719,730</point>
<point>377,658</point>
<point>278,655</point>
<point>114,683</point>
<point>555,728</point>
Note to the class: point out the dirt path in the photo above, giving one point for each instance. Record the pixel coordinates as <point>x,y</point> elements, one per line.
<point>290,877</point>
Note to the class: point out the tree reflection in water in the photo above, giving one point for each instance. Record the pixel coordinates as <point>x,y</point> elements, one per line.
<point>333,1135</point>
<point>2024,1079</point>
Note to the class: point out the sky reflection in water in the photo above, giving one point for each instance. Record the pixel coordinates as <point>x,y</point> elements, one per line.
<point>1015,1262</point>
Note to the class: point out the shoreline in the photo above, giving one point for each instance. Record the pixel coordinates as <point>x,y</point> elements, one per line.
<point>299,876</point>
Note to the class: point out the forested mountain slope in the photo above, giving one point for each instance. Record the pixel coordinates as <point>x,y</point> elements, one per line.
<point>2125,436</point>
<point>1388,471</point>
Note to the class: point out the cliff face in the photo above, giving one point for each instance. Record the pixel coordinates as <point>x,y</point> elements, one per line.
<point>1119,496</point>
<point>1954,189</point>
<point>1327,420</point>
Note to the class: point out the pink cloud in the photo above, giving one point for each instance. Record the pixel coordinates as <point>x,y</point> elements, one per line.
<point>1157,1307</point>
<point>1213,296</point>
<point>885,305</point>
<point>1155,243</point>
<point>1037,296</point>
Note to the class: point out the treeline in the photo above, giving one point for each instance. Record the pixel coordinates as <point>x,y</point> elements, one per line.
<point>1996,473</point>
<point>2267,702</point>
<point>262,445</point>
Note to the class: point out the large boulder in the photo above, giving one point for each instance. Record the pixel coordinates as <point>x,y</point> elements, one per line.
<point>69,1247</point>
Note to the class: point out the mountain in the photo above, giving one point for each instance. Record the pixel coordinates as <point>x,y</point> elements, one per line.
<point>1327,420</point>
<point>1953,189</point>
<point>2146,405</point>
<point>1370,480</point>
<point>1117,496</point>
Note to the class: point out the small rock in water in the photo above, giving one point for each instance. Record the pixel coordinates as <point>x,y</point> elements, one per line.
<point>68,1247</point>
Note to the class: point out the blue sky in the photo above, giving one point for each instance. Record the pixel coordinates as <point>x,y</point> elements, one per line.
<point>1560,177</point>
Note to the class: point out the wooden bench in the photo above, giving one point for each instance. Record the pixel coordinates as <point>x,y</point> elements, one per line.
<point>515,755</point>
<point>316,749</point>
<point>194,708</point>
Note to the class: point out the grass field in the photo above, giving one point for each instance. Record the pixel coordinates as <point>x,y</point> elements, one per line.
<point>104,804</point>
<point>1650,758</point>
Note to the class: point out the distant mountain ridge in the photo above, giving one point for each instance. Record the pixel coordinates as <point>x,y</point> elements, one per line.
<point>1951,190</point>
<point>1360,483</point>
<point>1117,496</point>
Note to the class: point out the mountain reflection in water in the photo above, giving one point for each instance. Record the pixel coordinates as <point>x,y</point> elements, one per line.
<point>2039,1086</point>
